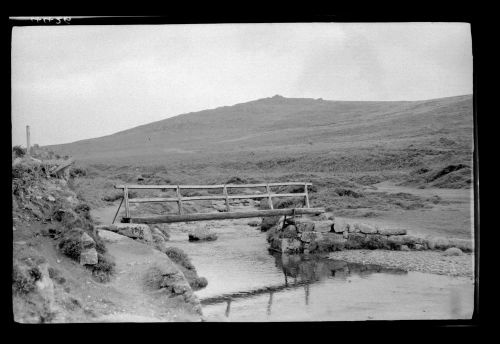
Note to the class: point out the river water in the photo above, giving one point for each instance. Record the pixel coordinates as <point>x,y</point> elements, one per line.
<point>246,282</point>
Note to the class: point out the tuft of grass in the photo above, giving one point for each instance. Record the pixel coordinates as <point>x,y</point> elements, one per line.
<point>24,278</point>
<point>348,192</point>
<point>104,269</point>
<point>70,245</point>
<point>179,257</point>
<point>55,274</point>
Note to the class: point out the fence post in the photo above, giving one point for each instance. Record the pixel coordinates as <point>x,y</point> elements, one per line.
<point>28,144</point>
<point>227,198</point>
<point>179,199</point>
<point>269,196</point>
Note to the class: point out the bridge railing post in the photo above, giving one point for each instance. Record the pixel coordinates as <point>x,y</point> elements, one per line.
<point>179,199</point>
<point>227,198</point>
<point>125,197</point>
<point>270,200</point>
<point>306,196</point>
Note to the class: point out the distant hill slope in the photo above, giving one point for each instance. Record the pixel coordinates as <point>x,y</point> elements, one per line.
<point>292,125</point>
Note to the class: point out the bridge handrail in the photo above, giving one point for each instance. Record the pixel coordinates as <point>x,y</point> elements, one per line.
<point>217,186</point>
<point>225,196</point>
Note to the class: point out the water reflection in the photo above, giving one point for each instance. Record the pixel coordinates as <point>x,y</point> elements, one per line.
<point>303,270</point>
<point>313,268</point>
<point>270,303</point>
<point>228,308</point>
<point>306,289</point>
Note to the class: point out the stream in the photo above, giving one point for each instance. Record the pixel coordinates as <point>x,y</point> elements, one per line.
<point>247,282</point>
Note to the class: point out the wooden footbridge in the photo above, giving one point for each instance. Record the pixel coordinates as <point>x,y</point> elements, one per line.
<point>225,196</point>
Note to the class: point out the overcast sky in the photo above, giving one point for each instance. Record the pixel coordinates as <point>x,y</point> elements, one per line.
<point>76,82</point>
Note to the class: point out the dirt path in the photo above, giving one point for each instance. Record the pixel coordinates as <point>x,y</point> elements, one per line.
<point>136,302</point>
<point>79,298</point>
<point>105,215</point>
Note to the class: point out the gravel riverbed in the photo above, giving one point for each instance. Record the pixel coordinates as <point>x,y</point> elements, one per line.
<point>424,261</point>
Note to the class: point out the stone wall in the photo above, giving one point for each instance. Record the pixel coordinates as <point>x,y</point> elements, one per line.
<point>303,235</point>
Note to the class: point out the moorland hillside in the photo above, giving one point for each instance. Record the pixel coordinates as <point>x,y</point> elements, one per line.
<point>296,132</point>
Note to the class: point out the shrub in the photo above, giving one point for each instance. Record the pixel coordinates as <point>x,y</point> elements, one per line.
<point>70,243</point>
<point>198,283</point>
<point>18,151</point>
<point>348,192</point>
<point>355,241</point>
<point>82,209</point>
<point>375,241</point>
<point>77,171</point>
<point>268,222</point>
<point>71,219</point>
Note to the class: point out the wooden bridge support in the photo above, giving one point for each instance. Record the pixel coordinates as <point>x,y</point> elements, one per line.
<point>223,216</point>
